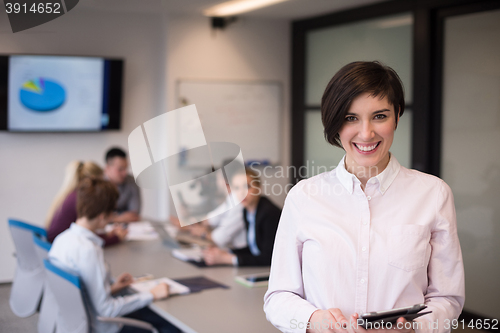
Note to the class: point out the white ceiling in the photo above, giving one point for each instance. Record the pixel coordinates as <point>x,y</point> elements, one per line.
<point>292,9</point>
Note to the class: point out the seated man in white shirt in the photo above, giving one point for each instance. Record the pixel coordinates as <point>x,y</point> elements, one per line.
<point>226,228</point>
<point>79,250</point>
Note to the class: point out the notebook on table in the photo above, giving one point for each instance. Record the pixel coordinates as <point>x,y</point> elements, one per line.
<point>175,288</point>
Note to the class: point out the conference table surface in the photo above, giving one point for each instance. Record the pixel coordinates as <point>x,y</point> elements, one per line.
<point>217,310</point>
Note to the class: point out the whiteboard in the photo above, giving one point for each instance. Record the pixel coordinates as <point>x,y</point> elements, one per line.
<point>248,113</point>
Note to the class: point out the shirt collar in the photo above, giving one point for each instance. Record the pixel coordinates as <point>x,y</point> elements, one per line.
<point>384,179</point>
<point>87,234</point>
<point>345,177</point>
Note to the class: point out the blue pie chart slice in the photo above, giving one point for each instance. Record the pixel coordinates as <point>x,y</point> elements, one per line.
<point>42,95</point>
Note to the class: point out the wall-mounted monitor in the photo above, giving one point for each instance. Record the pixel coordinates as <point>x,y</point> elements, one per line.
<point>41,93</point>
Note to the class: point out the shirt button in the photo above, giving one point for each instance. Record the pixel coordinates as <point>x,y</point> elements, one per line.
<point>365,222</point>
<point>369,198</point>
<point>363,248</point>
<point>362,280</point>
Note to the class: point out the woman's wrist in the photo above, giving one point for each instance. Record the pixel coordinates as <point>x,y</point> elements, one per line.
<point>315,317</point>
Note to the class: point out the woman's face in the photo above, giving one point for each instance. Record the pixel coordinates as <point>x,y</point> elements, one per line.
<point>368,132</point>
<point>240,184</point>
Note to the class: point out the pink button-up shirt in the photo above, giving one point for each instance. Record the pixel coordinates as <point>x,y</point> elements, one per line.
<point>392,245</point>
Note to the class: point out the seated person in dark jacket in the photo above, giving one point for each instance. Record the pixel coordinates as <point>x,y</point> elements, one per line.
<point>261,218</point>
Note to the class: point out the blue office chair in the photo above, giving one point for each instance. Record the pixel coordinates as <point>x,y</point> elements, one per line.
<point>48,308</point>
<point>73,315</point>
<point>27,286</point>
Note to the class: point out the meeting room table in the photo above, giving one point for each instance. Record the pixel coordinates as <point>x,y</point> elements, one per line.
<point>236,309</point>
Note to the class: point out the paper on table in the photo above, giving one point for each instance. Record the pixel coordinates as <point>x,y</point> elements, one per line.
<point>175,287</point>
<point>141,231</point>
<point>138,231</point>
<point>172,230</point>
<point>194,253</point>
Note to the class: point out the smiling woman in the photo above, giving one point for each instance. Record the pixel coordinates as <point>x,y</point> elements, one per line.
<point>360,111</point>
<point>367,135</point>
<point>370,235</point>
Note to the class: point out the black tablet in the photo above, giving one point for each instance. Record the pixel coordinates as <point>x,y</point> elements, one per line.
<point>391,316</point>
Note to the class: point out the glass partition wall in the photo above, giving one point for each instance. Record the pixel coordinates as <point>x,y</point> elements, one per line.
<point>387,39</point>
<point>470,160</point>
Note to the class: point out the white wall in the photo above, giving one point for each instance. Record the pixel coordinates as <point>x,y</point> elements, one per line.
<point>32,165</point>
<point>249,49</point>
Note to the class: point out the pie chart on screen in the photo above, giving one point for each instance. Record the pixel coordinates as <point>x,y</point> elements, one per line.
<point>42,95</point>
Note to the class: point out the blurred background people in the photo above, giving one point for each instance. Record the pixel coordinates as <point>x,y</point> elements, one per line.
<point>128,206</point>
<point>62,211</point>
<point>226,228</point>
<point>261,219</point>
<point>79,250</point>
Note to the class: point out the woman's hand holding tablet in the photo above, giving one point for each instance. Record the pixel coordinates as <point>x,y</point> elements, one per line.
<point>409,313</point>
<point>333,320</point>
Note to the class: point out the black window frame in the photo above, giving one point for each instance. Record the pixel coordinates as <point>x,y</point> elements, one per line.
<point>428,34</point>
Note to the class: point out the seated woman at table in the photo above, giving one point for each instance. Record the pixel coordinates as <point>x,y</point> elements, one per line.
<point>79,250</point>
<point>261,219</point>
<point>62,212</point>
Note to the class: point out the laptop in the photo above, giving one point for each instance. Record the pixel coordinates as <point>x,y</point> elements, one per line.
<point>167,239</point>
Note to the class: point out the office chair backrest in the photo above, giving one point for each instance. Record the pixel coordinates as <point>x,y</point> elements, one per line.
<point>22,235</point>
<point>48,309</point>
<point>27,286</point>
<point>72,316</point>
<point>42,247</point>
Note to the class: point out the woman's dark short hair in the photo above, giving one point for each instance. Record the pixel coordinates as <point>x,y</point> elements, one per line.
<point>95,196</point>
<point>351,81</point>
